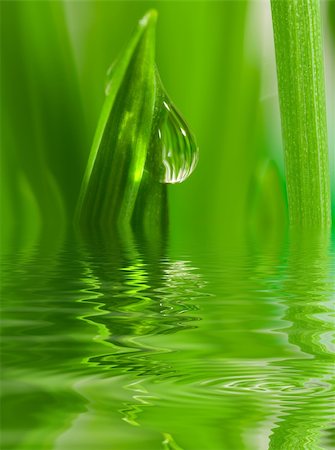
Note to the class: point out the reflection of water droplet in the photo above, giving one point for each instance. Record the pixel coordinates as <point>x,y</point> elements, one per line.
<point>179,150</point>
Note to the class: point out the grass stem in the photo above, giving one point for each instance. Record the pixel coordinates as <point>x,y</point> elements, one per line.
<point>299,56</point>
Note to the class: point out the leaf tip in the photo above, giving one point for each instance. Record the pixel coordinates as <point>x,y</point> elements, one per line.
<point>150,18</point>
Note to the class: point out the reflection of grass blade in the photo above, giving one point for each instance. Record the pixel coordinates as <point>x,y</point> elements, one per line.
<point>298,43</point>
<point>120,184</point>
<point>306,293</point>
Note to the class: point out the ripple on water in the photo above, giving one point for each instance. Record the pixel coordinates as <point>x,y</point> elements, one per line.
<point>106,348</point>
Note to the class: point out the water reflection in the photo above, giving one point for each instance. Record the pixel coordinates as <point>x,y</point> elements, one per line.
<point>131,346</point>
<point>136,292</point>
<point>308,288</point>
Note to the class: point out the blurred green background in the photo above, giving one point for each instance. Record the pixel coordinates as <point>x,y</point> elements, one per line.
<point>71,312</point>
<point>216,60</point>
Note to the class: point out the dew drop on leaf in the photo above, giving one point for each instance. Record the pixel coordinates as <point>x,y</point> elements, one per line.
<point>177,145</point>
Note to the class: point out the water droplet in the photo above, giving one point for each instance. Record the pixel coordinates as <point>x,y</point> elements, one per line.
<point>179,150</point>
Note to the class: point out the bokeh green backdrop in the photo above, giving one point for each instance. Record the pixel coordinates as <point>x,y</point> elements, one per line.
<point>216,59</point>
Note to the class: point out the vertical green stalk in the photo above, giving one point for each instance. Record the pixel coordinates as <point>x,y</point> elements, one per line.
<point>298,44</point>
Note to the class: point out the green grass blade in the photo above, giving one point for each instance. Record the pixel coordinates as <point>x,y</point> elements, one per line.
<point>141,144</point>
<point>118,157</point>
<point>298,44</point>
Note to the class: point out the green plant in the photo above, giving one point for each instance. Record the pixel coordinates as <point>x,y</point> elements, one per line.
<point>298,44</point>
<point>141,143</point>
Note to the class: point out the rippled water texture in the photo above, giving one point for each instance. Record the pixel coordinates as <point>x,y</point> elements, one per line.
<point>138,346</point>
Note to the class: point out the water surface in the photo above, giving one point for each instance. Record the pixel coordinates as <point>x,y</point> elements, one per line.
<point>135,345</point>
